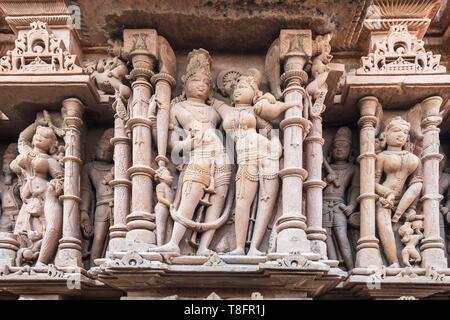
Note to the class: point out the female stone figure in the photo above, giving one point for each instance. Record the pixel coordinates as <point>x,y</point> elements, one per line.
<point>394,167</point>
<point>39,222</point>
<point>206,177</point>
<point>257,157</point>
<point>96,175</point>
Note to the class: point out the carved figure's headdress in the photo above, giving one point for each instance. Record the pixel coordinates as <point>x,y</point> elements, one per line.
<point>198,61</point>
<point>107,135</point>
<point>398,122</point>
<point>343,134</point>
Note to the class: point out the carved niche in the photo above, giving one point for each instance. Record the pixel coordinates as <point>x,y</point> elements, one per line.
<point>39,50</point>
<point>400,52</point>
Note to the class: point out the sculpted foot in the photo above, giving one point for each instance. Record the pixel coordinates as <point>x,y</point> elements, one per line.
<point>204,252</point>
<point>255,252</point>
<point>169,247</point>
<point>394,265</point>
<point>237,252</point>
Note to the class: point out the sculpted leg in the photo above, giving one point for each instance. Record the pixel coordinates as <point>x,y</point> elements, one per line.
<point>212,213</point>
<point>331,248</point>
<point>245,194</point>
<point>53,216</point>
<point>344,245</point>
<point>162,213</point>
<point>265,212</point>
<point>192,192</point>
<point>386,235</point>
<point>101,229</point>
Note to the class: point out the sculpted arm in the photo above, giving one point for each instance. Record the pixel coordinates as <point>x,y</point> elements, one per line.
<point>161,195</point>
<point>381,190</point>
<point>178,140</point>
<point>87,195</point>
<point>410,198</point>
<point>270,109</point>
<point>25,137</point>
<point>354,189</point>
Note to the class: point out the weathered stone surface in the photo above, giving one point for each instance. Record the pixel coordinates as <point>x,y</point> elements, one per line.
<point>224,149</point>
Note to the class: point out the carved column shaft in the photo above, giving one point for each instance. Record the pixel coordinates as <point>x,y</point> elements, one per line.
<point>163,83</point>
<point>140,222</point>
<point>291,225</point>
<point>69,250</point>
<point>314,186</point>
<point>432,245</point>
<point>121,182</point>
<point>368,254</point>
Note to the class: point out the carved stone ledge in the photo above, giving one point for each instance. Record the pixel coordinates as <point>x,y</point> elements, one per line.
<point>393,283</point>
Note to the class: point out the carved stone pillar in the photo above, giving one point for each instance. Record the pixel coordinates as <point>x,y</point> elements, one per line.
<point>314,186</point>
<point>69,250</point>
<point>432,246</point>
<point>121,182</point>
<point>163,83</point>
<point>295,51</point>
<point>368,253</point>
<point>141,46</point>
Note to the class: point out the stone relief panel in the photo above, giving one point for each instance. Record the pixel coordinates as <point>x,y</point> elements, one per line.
<point>39,50</point>
<point>400,53</point>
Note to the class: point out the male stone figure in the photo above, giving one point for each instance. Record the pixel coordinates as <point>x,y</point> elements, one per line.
<point>342,179</point>
<point>444,190</point>
<point>96,175</point>
<point>9,192</point>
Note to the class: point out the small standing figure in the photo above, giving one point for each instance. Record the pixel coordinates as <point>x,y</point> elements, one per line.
<point>342,183</point>
<point>97,175</point>
<point>410,238</point>
<point>9,192</point>
<point>444,190</point>
<point>165,196</point>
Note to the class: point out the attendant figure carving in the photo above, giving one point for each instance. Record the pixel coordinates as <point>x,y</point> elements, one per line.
<point>39,222</point>
<point>9,192</point>
<point>95,188</point>
<point>340,196</point>
<point>398,184</point>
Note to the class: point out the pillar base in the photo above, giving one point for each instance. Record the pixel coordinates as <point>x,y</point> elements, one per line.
<point>117,240</point>
<point>432,251</point>
<point>293,240</point>
<point>8,249</point>
<point>368,255</point>
<point>317,238</point>
<point>69,253</point>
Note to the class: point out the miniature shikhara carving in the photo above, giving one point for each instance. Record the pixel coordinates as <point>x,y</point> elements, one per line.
<point>39,51</point>
<point>400,53</point>
<point>95,188</point>
<point>340,196</point>
<point>39,222</point>
<point>398,184</point>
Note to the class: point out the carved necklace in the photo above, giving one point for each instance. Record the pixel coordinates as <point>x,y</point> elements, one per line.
<point>199,111</point>
<point>236,122</point>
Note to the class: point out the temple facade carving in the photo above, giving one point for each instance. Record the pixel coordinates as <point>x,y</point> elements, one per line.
<point>302,162</point>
